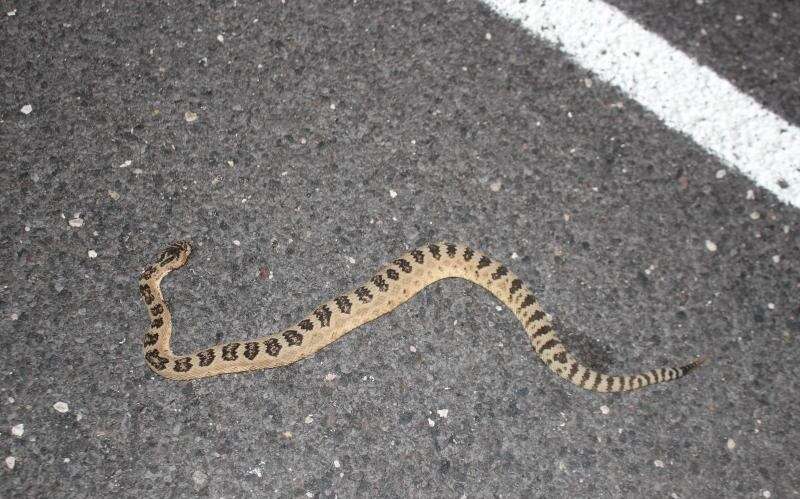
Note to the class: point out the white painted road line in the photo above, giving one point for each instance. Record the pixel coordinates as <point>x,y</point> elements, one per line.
<point>686,96</point>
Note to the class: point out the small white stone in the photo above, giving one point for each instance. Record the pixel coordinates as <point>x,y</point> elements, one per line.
<point>75,222</point>
<point>309,494</point>
<point>721,173</point>
<point>309,419</point>
<point>114,195</point>
<point>126,164</point>
<point>27,228</point>
<point>711,246</point>
<point>431,423</point>
<point>10,462</point>
<point>333,106</point>
<point>190,116</point>
<point>739,17</point>
<point>26,109</point>
<point>771,306</point>
<point>12,12</point>
<point>66,460</point>
<point>10,400</point>
<point>776,259</point>
<point>730,444</point>
<point>495,186</point>
<point>750,194</point>
<point>658,463</point>
<point>488,36</point>
<point>604,409</point>
<point>336,463</point>
<point>18,430</point>
<point>199,478</point>
<point>61,407</point>
<point>392,193</point>
<point>330,376</point>
<point>92,253</point>
<point>514,255</point>
<point>137,171</point>
<point>351,260</point>
<point>14,316</point>
<point>443,412</point>
<point>498,308</point>
<point>755,215</point>
<point>220,39</point>
<point>236,242</point>
<point>78,416</point>
<point>766,493</point>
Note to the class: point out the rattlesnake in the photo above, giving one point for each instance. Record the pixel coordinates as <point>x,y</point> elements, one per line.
<point>393,285</point>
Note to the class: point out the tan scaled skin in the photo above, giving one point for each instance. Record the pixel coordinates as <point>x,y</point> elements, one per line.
<point>393,285</point>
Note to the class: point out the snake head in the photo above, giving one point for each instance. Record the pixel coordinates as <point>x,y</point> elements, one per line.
<point>175,255</point>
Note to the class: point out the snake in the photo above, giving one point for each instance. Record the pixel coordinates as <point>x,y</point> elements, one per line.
<point>394,284</point>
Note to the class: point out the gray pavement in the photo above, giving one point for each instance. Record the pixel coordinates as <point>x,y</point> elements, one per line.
<point>328,139</point>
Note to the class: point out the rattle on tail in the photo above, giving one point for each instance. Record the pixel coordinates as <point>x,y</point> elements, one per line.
<point>394,284</point>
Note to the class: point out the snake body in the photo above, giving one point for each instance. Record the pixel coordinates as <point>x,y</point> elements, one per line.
<point>394,284</point>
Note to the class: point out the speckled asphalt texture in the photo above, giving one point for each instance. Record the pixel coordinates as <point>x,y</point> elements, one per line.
<point>328,139</point>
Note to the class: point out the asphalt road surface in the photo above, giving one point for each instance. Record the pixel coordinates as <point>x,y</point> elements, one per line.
<point>300,145</point>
